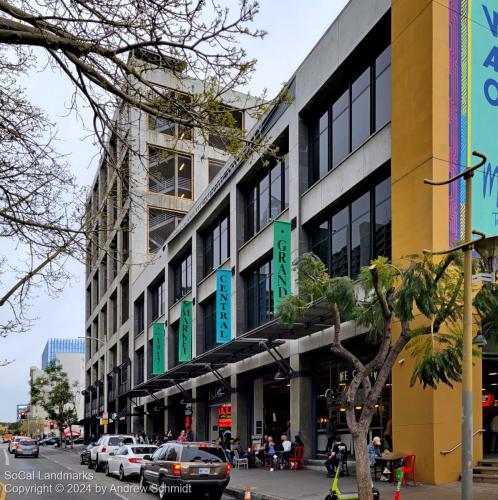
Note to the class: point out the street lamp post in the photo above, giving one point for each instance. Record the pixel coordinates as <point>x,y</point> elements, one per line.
<point>104,342</point>
<point>467,247</point>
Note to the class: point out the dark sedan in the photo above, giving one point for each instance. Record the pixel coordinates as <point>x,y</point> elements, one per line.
<point>85,454</point>
<point>50,441</point>
<point>27,448</point>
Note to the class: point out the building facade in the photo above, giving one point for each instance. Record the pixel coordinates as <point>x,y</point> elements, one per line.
<point>367,123</point>
<point>55,346</point>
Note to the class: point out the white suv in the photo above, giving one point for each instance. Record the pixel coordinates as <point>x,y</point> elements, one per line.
<point>99,454</point>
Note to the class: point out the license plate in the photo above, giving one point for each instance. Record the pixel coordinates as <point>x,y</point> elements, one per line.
<point>204,471</point>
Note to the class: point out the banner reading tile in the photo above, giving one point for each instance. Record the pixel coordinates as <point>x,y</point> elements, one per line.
<point>223,306</point>
<point>185,332</point>
<point>281,262</point>
<point>157,348</point>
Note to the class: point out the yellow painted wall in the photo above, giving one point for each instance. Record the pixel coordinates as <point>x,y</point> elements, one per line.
<point>425,422</point>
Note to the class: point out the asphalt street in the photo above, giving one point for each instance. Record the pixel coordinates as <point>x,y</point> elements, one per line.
<point>58,475</point>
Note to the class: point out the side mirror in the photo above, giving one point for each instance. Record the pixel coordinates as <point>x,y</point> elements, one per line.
<point>147,457</point>
<point>111,454</point>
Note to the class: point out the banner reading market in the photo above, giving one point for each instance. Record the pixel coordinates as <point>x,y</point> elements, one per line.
<point>185,332</point>
<point>474,111</point>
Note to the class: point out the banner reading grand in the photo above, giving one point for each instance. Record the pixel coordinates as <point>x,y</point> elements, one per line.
<point>157,348</point>
<point>281,262</point>
<point>223,305</point>
<point>474,111</point>
<point>185,333</point>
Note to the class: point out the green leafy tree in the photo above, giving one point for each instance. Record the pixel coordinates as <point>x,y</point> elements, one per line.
<point>53,392</point>
<point>422,294</point>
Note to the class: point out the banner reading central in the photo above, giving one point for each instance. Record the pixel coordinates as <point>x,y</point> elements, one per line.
<point>223,305</point>
<point>185,333</point>
<point>281,262</point>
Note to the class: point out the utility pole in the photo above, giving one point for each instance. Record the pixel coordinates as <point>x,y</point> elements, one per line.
<point>467,389</point>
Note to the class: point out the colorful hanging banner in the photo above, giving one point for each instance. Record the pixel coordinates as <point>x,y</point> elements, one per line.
<point>223,306</point>
<point>185,333</point>
<point>157,348</point>
<point>473,109</point>
<point>281,262</point>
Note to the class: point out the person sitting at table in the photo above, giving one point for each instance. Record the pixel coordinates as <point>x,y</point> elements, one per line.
<point>374,450</point>
<point>336,456</point>
<point>238,447</point>
<point>286,450</point>
<point>270,449</point>
<point>297,442</point>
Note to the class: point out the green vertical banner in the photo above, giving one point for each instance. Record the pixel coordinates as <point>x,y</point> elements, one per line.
<point>281,262</point>
<point>157,348</point>
<point>185,333</point>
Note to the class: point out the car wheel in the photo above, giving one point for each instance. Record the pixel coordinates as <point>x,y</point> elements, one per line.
<point>97,464</point>
<point>121,473</point>
<point>107,471</point>
<point>15,455</point>
<point>36,456</point>
<point>163,487</point>
<point>215,495</point>
<point>144,487</point>
<point>90,464</point>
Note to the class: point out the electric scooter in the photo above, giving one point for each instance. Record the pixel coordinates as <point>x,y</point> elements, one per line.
<point>337,494</point>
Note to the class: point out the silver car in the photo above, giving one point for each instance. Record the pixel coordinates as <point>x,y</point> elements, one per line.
<point>27,447</point>
<point>127,460</point>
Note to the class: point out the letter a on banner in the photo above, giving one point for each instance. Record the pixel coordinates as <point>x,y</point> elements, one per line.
<point>157,348</point>
<point>185,333</point>
<point>281,262</point>
<point>223,306</point>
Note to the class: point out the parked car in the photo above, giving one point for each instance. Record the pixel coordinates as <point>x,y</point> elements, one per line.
<point>6,438</point>
<point>13,442</point>
<point>26,447</point>
<point>49,441</point>
<point>203,466</point>
<point>127,460</point>
<point>85,454</point>
<point>107,443</point>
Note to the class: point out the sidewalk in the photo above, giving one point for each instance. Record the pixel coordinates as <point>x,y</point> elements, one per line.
<point>310,484</point>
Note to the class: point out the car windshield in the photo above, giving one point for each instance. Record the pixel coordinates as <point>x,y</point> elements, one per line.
<point>202,454</point>
<point>143,450</point>
<point>27,442</point>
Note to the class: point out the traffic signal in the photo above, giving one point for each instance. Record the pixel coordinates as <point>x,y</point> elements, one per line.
<point>23,415</point>
<point>52,426</point>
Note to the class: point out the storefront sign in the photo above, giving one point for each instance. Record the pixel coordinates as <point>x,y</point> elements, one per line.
<point>157,348</point>
<point>488,400</point>
<point>225,416</point>
<point>473,107</point>
<point>185,333</point>
<point>223,305</point>
<point>281,262</point>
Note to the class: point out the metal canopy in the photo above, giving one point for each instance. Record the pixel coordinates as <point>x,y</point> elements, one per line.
<point>315,319</point>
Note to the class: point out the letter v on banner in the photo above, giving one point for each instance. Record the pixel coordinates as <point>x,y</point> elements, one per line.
<point>281,262</point>
<point>223,306</point>
<point>157,348</point>
<point>185,332</point>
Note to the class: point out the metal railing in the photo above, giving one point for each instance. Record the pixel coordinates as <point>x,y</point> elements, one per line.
<point>447,452</point>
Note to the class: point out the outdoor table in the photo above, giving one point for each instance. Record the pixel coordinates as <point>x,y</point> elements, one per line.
<point>390,459</point>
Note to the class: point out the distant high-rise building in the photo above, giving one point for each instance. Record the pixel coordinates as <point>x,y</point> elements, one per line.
<point>55,346</point>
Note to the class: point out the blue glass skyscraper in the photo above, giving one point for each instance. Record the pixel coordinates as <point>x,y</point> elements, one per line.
<point>54,346</point>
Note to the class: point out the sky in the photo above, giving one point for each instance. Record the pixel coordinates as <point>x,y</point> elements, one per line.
<point>293,26</point>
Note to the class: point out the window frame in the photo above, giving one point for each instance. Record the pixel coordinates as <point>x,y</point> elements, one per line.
<point>178,218</point>
<point>209,244</point>
<point>255,273</point>
<point>182,273</point>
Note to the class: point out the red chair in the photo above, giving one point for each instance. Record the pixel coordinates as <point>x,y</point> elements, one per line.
<point>296,461</point>
<point>409,469</point>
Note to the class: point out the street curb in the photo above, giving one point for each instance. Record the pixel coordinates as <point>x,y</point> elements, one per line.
<point>239,494</point>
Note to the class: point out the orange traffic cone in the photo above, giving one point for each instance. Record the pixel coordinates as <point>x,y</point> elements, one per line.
<point>247,496</point>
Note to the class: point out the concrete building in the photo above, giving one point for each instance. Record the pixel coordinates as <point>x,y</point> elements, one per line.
<point>367,123</point>
<point>55,346</point>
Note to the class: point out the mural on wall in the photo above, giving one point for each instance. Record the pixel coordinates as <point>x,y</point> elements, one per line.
<point>474,111</point>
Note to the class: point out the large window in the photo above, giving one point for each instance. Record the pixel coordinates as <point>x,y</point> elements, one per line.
<point>227,123</point>
<point>156,298</point>
<point>356,233</point>
<point>139,365</point>
<point>173,105</point>
<point>114,312</point>
<point>259,295</point>
<point>161,224</point>
<point>125,297</point>
<point>217,244</point>
<point>214,166</point>
<point>183,276</point>
<point>139,315</point>
<point>170,173</point>
<point>267,196</point>
<point>349,120</point>
<point>209,316</point>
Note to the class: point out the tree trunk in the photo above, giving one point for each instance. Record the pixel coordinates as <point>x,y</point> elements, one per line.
<point>363,475</point>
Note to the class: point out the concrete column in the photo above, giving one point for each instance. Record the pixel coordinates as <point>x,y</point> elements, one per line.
<point>239,412</point>
<point>198,417</point>
<point>301,408</point>
<point>258,407</point>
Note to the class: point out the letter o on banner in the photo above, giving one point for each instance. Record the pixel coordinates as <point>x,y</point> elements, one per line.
<point>491,91</point>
